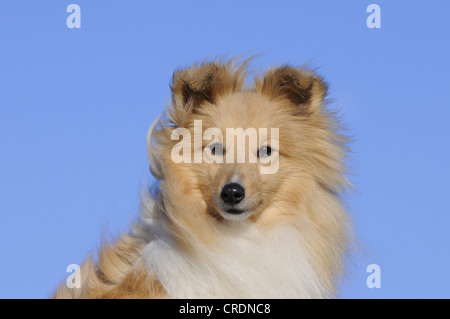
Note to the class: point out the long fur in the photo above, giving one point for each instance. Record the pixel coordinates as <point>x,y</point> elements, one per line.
<point>295,242</point>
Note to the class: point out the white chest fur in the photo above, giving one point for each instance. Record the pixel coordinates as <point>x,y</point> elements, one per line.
<point>253,264</point>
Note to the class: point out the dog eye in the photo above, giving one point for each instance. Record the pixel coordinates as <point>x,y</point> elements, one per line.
<point>264,151</point>
<point>216,149</point>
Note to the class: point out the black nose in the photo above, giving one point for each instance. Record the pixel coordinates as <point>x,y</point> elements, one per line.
<point>232,193</point>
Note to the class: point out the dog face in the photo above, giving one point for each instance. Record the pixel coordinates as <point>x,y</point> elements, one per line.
<point>234,185</point>
<point>279,122</point>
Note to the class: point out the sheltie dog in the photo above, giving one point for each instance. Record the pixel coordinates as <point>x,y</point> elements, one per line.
<point>214,226</point>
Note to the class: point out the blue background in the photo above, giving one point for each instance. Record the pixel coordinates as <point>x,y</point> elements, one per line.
<point>75,106</point>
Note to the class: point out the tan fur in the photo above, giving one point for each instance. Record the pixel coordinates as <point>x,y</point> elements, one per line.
<point>117,274</point>
<point>305,192</point>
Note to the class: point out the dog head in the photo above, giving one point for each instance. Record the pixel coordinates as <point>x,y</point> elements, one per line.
<point>236,151</point>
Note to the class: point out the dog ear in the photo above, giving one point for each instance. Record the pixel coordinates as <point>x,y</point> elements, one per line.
<point>206,82</point>
<point>303,88</point>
